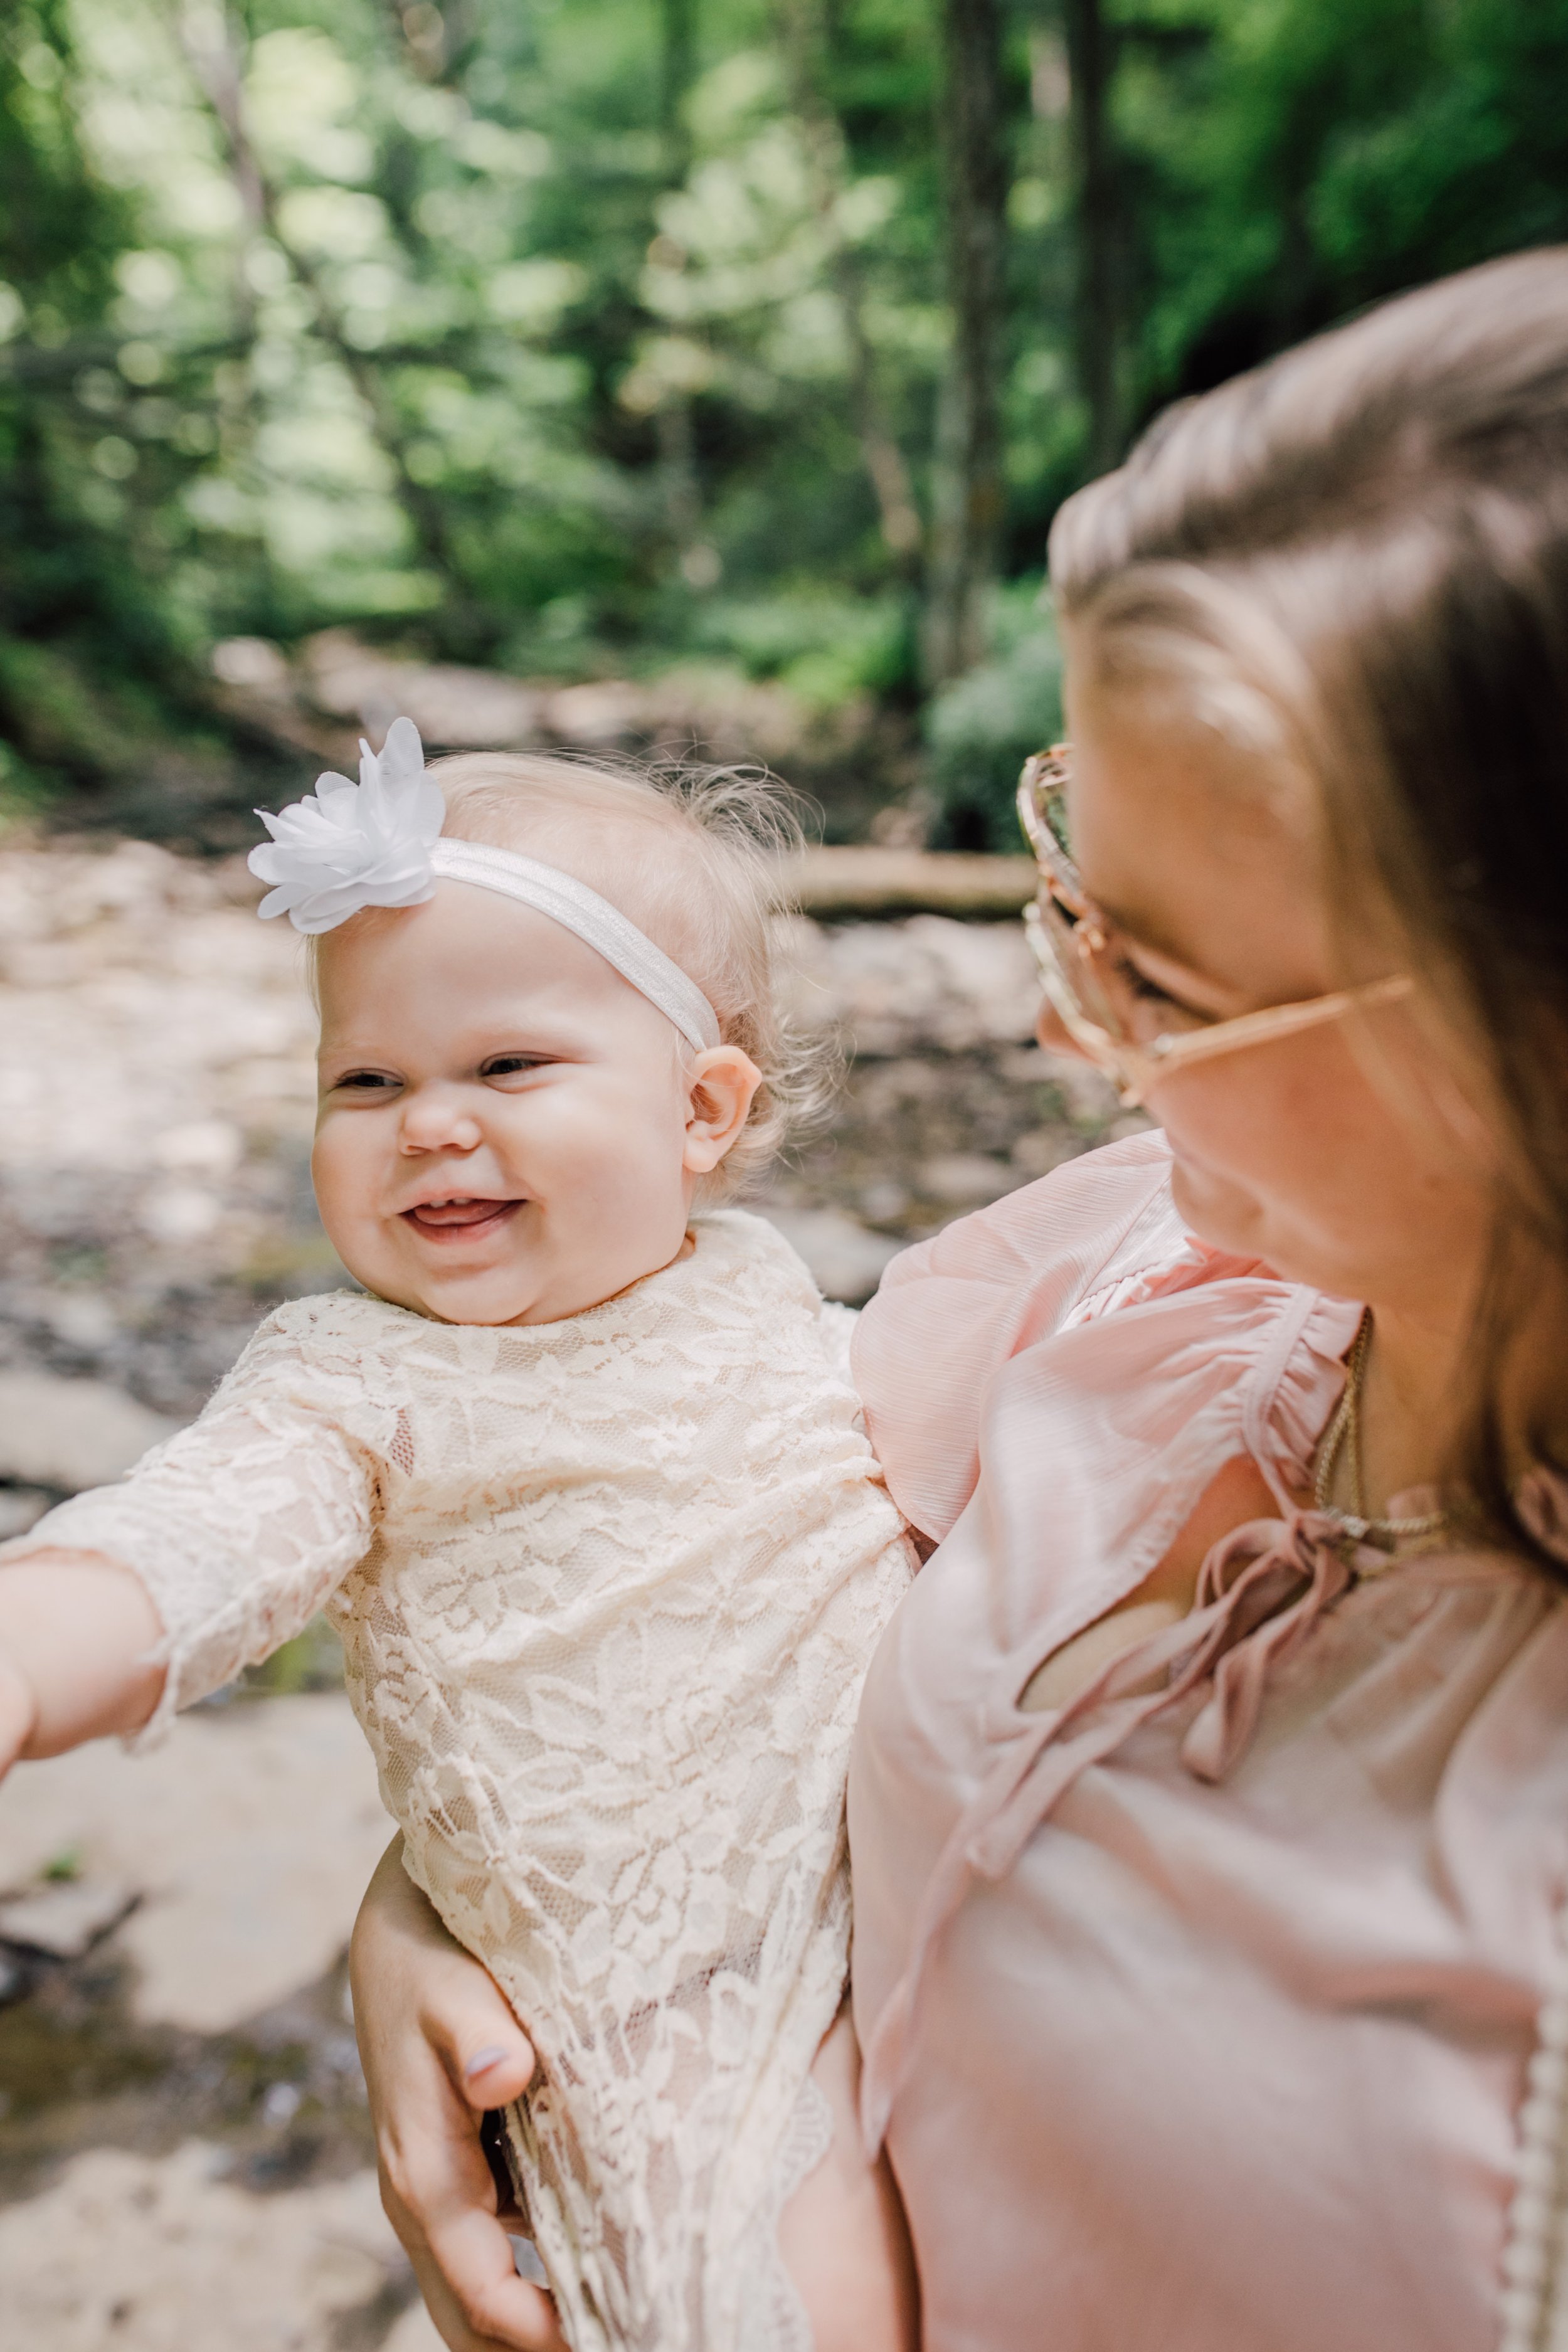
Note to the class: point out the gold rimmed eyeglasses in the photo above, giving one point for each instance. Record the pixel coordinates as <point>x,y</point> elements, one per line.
<point>1132,1030</point>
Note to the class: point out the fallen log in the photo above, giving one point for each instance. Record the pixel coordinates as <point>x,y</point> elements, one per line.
<point>837,882</point>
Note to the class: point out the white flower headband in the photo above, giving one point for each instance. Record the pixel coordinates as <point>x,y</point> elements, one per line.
<point>378,844</point>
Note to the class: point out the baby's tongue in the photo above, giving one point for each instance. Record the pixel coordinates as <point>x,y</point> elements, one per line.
<point>456,1212</point>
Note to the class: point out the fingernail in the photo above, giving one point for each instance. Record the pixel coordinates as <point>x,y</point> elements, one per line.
<point>483,2060</point>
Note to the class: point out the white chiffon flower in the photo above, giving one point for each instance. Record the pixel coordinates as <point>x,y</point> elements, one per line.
<point>350,845</point>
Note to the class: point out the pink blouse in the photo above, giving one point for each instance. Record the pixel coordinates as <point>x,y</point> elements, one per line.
<point>1197,2021</point>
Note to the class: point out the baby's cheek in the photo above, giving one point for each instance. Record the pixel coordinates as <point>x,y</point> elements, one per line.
<point>342,1182</point>
<point>589,1142</point>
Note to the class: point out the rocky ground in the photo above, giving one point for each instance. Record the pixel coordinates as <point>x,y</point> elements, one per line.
<point>183,2146</point>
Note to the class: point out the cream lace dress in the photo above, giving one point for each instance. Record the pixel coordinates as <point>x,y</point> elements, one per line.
<point>607,1590</point>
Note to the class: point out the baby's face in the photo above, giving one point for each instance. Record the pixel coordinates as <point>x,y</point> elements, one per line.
<point>508,1132</point>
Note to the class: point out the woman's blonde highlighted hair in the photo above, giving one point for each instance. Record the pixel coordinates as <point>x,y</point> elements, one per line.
<point>1355,561</point>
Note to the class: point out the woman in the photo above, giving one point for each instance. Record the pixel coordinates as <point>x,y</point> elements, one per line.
<point>1210,1810</point>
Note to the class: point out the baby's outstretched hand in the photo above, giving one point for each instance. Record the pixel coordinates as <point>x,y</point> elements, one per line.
<point>76,1632</point>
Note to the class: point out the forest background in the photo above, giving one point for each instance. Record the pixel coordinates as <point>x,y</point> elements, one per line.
<point>733,353</point>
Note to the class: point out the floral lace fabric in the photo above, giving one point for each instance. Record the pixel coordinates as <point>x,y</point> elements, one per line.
<point>607,1590</point>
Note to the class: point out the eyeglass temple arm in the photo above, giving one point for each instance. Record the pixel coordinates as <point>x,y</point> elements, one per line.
<point>1275,1021</point>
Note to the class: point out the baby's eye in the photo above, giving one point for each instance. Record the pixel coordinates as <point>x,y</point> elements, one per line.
<point>364,1082</point>
<point>512,1066</point>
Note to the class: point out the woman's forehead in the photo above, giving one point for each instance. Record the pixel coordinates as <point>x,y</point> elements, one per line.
<point>1191,846</point>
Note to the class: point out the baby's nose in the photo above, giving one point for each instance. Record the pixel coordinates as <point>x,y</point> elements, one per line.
<point>435,1119</point>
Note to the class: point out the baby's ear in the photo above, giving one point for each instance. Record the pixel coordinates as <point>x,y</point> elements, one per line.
<point>720,1085</point>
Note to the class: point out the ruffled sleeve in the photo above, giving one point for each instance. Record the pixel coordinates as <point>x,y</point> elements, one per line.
<point>951,1310</point>
<point>241,1526</point>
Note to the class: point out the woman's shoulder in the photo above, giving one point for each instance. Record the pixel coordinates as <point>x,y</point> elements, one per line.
<point>1096,1237</point>
<point>1103,1217</point>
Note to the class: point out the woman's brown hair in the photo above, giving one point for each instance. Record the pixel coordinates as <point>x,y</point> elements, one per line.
<point>1357,557</point>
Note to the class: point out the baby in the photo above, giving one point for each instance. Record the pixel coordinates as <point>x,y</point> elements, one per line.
<point>578,1474</point>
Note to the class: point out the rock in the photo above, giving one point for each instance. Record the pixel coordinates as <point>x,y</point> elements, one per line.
<point>250,1835</point>
<point>163,2255</point>
<point>414,2332</point>
<point>1035,1155</point>
<point>599,713</point>
<point>249,661</point>
<point>210,1145</point>
<point>179,1213</point>
<point>964,1176</point>
<point>455,709</point>
<point>20,1508</point>
<point>281,2103</point>
<point>895,988</point>
<point>174,1009</point>
<point>71,1434</point>
<point>845,1261</point>
<point>64,1920</point>
<point>82,1318</point>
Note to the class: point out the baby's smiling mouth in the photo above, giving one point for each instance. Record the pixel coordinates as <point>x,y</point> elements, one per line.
<point>462,1215</point>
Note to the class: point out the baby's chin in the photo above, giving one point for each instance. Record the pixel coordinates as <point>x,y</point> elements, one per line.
<point>483,1298</point>
<point>454,1294</point>
<point>528,1289</point>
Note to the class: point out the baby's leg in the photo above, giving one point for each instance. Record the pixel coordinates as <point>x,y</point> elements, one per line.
<point>842,2235</point>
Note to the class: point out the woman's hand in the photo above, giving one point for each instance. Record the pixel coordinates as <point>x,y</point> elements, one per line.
<point>440,2045</point>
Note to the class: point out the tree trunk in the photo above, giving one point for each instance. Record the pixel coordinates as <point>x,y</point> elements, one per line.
<point>806,32</point>
<point>678,67</point>
<point>1090,64</point>
<point>966,503</point>
<point>209,47</point>
<point>673,422</point>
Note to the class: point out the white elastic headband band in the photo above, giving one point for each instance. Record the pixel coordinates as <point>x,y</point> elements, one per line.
<point>577,908</point>
<point>379,843</point>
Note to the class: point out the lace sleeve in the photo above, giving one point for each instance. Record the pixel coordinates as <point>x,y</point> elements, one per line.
<point>242,1525</point>
<point>837,1324</point>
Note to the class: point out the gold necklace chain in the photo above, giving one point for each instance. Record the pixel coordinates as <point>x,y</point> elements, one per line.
<point>1344,1429</point>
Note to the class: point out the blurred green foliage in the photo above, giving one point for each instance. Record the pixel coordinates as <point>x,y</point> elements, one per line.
<point>982,728</point>
<point>527,331</point>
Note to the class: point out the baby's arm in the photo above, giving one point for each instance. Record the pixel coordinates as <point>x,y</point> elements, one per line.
<point>77,1636</point>
<point>126,1604</point>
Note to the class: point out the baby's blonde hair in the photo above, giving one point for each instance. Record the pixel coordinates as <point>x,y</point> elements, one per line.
<point>693,856</point>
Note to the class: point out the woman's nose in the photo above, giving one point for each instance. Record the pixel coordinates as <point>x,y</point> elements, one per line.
<point>435,1119</point>
<point>1052,1032</point>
